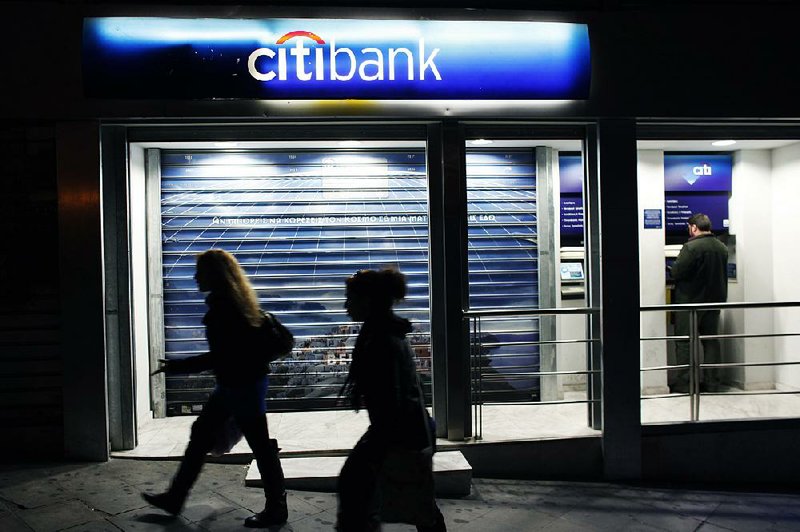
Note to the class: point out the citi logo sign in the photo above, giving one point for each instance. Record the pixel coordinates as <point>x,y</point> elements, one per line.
<point>697,173</point>
<point>705,169</point>
<point>323,60</point>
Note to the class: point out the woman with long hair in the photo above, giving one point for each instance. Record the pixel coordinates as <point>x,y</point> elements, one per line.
<point>232,325</point>
<point>383,379</point>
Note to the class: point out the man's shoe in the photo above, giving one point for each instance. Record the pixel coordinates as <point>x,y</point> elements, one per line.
<point>165,501</point>
<point>275,513</point>
<point>266,519</point>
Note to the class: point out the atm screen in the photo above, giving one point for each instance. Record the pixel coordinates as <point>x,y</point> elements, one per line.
<point>572,271</point>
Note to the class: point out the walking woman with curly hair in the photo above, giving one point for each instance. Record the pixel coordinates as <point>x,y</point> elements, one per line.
<point>232,325</point>
<point>383,379</point>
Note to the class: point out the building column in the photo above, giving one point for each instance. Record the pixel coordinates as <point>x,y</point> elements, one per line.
<point>451,273</point>
<point>619,297</point>
<point>82,299</point>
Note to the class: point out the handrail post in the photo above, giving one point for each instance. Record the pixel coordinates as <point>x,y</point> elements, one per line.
<point>479,435</point>
<point>694,370</point>
<point>472,369</point>
<point>476,378</point>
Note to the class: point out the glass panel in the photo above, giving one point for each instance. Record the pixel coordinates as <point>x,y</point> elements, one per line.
<point>503,267</point>
<point>527,259</point>
<point>299,222</point>
<point>742,358</point>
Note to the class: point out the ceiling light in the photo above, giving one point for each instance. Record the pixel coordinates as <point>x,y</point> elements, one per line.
<point>226,144</point>
<point>723,143</point>
<point>350,143</point>
<point>480,142</point>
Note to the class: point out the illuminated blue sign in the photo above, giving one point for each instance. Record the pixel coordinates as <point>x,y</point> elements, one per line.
<point>570,172</point>
<point>126,57</point>
<point>679,207</point>
<point>572,215</point>
<point>652,219</point>
<point>698,172</point>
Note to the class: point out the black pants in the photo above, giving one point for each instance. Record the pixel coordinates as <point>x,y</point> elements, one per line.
<point>249,415</point>
<point>359,496</point>
<point>707,323</point>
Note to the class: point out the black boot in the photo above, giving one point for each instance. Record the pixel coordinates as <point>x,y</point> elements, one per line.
<point>172,500</point>
<point>167,501</point>
<point>275,513</point>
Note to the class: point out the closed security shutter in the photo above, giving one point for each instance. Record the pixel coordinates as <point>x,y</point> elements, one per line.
<point>503,268</point>
<point>300,223</point>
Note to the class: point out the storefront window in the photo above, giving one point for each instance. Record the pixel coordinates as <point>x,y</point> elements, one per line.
<point>728,350</point>
<point>526,259</point>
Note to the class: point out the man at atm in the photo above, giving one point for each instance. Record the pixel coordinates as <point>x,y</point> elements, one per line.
<point>700,274</point>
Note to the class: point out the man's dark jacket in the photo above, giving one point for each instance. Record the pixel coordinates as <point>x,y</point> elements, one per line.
<point>700,271</point>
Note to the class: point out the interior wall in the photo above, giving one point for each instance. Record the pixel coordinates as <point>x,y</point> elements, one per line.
<point>138,240</point>
<point>785,220</point>
<point>651,270</point>
<point>570,357</point>
<point>750,200</point>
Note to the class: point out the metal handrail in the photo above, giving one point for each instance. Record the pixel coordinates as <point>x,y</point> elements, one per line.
<point>476,346</point>
<point>529,311</point>
<point>694,366</point>
<point>721,305</point>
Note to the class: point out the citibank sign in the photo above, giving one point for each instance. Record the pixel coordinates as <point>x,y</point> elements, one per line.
<point>126,57</point>
<point>368,64</point>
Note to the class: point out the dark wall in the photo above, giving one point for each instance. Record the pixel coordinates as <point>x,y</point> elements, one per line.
<point>724,452</point>
<point>30,356</point>
<point>726,63</point>
<point>573,459</point>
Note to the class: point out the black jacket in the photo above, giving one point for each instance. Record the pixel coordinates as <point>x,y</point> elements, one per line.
<point>234,345</point>
<point>700,271</point>
<point>385,379</point>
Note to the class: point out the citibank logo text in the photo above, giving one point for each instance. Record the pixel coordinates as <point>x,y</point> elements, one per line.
<point>705,169</point>
<point>326,61</point>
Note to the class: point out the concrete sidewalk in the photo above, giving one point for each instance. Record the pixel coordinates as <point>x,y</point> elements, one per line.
<point>105,497</point>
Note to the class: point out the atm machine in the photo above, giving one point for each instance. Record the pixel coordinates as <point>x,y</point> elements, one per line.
<point>670,254</point>
<point>572,274</point>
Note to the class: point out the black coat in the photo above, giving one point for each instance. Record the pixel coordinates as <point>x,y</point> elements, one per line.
<point>235,347</point>
<point>700,271</point>
<point>385,380</point>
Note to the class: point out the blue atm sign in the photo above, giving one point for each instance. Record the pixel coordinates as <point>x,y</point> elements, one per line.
<point>127,57</point>
<point>707,172</point>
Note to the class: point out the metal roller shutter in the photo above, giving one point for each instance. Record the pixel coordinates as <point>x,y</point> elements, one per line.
<point>300,223</point>
<point>503,267</point>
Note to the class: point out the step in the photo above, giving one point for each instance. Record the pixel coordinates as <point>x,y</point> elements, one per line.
<point>451,473</point>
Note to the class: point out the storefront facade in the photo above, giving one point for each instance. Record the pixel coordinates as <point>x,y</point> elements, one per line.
<point>156,163</point>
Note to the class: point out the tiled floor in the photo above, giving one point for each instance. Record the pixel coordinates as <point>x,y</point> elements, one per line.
<point>105,497</point>
<point>308,432</point>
